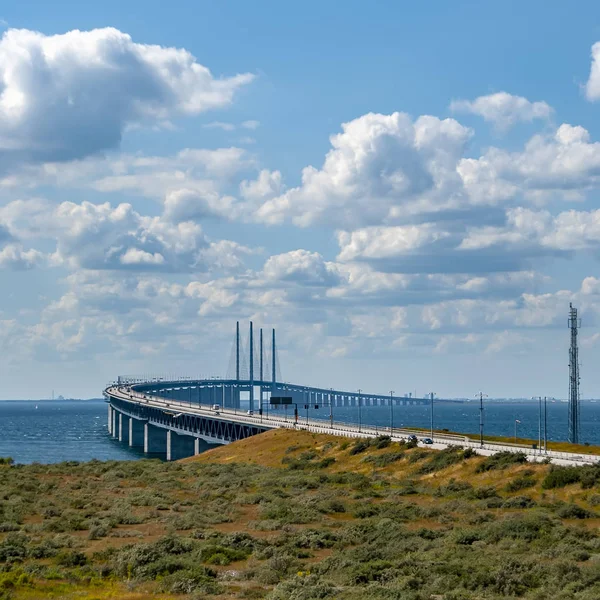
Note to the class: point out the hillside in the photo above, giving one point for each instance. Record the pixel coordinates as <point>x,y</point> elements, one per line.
<point>292,515</point>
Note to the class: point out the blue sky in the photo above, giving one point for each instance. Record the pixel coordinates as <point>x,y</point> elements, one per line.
<point>408,193</point>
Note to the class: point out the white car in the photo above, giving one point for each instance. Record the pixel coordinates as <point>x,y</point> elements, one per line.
<point>250,412</point>
<point>216,407</point>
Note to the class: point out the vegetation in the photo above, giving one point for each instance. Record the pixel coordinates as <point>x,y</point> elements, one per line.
<point>299,516</point>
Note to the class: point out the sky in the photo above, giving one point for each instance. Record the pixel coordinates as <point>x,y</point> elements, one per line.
<point>409,194</point>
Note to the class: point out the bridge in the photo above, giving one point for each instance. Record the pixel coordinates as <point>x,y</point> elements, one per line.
<point>177,418</point>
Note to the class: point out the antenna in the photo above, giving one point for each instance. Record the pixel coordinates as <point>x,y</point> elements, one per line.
<point>574,420</point>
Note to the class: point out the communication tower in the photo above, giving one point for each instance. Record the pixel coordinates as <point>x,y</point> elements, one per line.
<point>574,325</point>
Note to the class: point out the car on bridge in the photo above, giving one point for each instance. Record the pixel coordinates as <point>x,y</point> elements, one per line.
<point>427,441</point>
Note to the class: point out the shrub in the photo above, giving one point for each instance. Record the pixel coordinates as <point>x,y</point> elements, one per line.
<point>6,460</point>
<point>520,483</point>
<point>326,462</point>
<point>13,548</point>
<point>187,581</point>
<point>383,441</point>
<point>559,477</point>
<point>501,460</point>
<point>442,459</point>
<point>71,558</point>
<point>574,511</point>
<point>215,554</point>
<point>418,455</point>
<point>358,447</point>
<point>383,460</point>
<point>519,502</point>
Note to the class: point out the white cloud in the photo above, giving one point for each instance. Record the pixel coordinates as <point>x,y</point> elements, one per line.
<point>219,125</point>
<point>379,166</point>
<point>564,164</point>
<point>67,96</point>
<point>13,256</point>
<point>503,110</point>
<point>302,267</point>
<point>103,237</point>
<point>251,124</point>
<point>592,87</point>
<point>267,185</point>
<point>189,205</point>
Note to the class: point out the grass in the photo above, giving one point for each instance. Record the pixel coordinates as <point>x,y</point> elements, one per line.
<point>295,515</point>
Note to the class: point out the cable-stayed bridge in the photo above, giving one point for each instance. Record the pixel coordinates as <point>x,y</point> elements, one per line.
<point>180,417</point>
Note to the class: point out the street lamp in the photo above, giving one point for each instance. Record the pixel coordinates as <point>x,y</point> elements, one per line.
<point>392,412</point>
<point>359,413</point>
<point>481,395</point>
<point>432,415</point>
<point>516,421</point>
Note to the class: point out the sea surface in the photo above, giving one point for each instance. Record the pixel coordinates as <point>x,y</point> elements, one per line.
<point>54,431</point>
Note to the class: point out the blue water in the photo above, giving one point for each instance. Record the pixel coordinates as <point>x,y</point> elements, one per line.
<point>53,431</point>
<point>76,430</point>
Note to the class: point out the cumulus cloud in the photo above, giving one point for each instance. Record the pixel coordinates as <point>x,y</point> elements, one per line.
<point>267,185</point>
<point>67,96</point>
<point>103,237</point>
<point>565,163</point>
<point>503,110</point>
<point>300,266</point>
<point>190,205</point>
<point>526,235</point>
<point>592,87</point>
<point>379,166</point>
<point>13,256</point>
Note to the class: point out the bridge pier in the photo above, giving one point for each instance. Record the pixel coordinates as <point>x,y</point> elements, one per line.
<point>155,439</point>
<point>136,433</point>
<point>110,417</point>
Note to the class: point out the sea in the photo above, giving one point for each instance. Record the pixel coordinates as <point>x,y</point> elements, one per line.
<point>52,431</point>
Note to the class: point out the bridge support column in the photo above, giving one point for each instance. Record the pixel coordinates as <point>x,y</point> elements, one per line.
<point>110,419</point>
<point>196,446</point>
<point>125,429</point>
<point>155,439</point>
<point>120,427</point>
<point>169,436</point>
<point>183,446</point>
<point>114,423</point>
<point>136,433</point>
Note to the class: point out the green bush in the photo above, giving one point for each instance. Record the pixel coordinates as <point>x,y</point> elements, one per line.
<point>443,459</point>
<point>358,447</point>
<point>197,579</point>
<point>215,554</point>
<point>71,558</point>
<point>383,460</point>
<point>574,511</point>
<point>559,477</point>
<point>520,483</point>
<point>501,460</point>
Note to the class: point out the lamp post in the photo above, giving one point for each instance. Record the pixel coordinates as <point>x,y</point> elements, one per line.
<point>539,399</point>
<point>432,394</point>
<point>516,421</point>
<point>480,396</point>
<point>391,412</point>
<point>359,412</point>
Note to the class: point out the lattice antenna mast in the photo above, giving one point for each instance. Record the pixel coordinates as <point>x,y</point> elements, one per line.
<point>574,325</point>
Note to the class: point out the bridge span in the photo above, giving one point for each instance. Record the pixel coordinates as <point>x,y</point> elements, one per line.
<point>168,419</point>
